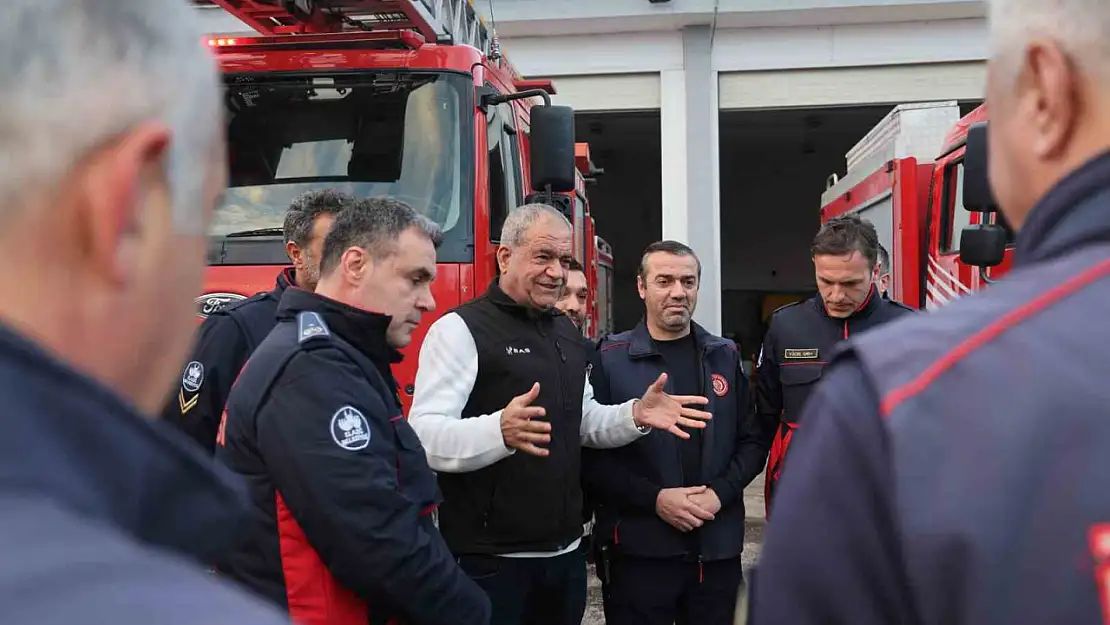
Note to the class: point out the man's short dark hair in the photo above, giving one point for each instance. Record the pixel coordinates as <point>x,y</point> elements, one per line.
<point>374,224</point>
<point>670,247</point>
<point>306,207</point>
<point>884,259</point>
<point>845,234</point>
<point>574,265</point>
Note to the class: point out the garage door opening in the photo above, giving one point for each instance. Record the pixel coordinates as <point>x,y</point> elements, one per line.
<point>626,200</point>
<point>774,166</point>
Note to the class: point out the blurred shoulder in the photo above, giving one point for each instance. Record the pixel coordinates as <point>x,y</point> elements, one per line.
<point>61,568</point>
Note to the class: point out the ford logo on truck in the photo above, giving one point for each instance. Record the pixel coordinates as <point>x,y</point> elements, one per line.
<point>211,302</point>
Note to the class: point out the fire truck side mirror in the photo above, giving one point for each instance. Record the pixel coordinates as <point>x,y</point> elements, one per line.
<point>977,195</point>
<point>983,245</point>
<point>552,140</point>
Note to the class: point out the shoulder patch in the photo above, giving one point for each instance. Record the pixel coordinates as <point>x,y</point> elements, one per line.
<point>350,429</point>
<point>311,325</point>
<point>193,376</point>
<point>191,380</point>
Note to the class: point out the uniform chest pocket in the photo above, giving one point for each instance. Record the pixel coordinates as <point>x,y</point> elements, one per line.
<point>798,381</point>
<point>414,476</point>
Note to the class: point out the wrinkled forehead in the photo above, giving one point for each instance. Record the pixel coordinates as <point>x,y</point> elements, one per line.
<point>549,235</point>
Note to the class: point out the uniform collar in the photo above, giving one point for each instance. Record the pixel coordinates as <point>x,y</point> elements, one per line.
<point>870,303</point>
<point>1075,212</point>
<point>285,279</point>
<point>76,442</point>
<point>643,345</point>
<point>364,330</point>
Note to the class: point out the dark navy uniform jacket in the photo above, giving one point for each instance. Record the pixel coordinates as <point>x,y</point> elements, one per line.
<point>105,516</point>
<point>799,342</point>
<point>223,343</point>
<point>955,466</point>
<point>343,531</point>
<point>624,482</point>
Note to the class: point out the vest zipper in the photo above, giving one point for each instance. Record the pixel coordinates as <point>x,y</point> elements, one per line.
<point>562,403</point>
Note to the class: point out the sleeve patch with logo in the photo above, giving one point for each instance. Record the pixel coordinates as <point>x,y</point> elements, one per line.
<point>350,429</point>
<point>720,385</point>
<point>191,381</point>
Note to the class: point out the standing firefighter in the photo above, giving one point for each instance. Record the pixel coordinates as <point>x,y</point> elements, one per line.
<point>344,533</point>
<point>958,465</point>
<point>228,336</point>
<point>801,336</point>
<point>670,511</point>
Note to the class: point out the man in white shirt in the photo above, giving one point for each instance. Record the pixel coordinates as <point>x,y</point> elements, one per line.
<point>507,373</point>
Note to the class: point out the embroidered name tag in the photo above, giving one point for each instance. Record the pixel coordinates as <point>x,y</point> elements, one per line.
<point>800,354</point>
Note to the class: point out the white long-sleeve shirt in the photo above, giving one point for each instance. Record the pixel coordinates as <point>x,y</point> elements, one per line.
<point>445,376</point>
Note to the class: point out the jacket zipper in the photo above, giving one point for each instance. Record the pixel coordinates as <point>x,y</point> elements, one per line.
<point>703,352</point>
<point>845,328</point>
<point>562,400</point>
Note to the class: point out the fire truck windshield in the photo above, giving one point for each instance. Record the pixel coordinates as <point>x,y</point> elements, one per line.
<point>405,135</point>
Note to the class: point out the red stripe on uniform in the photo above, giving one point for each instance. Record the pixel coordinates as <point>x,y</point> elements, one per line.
<point>314,597</point>
<point>1010,320</point>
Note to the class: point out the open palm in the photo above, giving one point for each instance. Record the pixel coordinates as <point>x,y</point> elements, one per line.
<point>662,411</point>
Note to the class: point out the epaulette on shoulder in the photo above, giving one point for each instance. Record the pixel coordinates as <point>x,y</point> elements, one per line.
<point>898,304</point>
<point>310,325</point>
<point>901,305</point>
<point>785,306</point>
<point>236,305</point>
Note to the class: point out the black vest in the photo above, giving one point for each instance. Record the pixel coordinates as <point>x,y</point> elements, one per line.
<point>524,502</point>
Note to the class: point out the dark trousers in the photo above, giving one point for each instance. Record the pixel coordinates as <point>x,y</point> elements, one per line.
<point>532,591</point>
<point>650,591</point>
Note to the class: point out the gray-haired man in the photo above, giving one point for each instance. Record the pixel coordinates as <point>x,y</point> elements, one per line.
<point>111,162</point>
<point>226,338</point>
<point>505,373</point>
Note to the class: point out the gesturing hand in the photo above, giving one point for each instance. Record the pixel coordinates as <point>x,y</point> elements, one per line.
<point>661,411</point>
<point>518,429</point>
<point>676,506</point>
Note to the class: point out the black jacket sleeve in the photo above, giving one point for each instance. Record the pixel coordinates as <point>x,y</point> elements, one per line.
<point>768,388</point>
<point>831,555</point>
<point>348,500</point>
<point>221,350</point>
<point>606,479</point>
<point>751,448</point>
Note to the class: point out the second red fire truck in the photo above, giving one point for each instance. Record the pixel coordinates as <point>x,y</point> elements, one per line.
<point>920,176</point>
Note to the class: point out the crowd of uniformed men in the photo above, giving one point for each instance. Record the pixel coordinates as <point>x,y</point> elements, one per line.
<point>950,467</point>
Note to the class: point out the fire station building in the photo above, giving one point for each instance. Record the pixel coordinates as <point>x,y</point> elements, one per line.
<point>718,122</point>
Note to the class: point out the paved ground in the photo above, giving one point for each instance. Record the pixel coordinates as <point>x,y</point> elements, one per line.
<point>753,544</point>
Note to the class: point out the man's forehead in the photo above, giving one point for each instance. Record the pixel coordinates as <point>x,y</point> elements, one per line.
<point>576,280</point>
<point>853,261</point>
<point>666,264</point>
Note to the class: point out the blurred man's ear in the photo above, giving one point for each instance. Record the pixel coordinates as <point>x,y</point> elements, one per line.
<point>293,251</point>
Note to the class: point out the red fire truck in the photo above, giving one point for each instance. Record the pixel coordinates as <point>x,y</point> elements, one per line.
<point>920,176</point>
<point>409,99</point>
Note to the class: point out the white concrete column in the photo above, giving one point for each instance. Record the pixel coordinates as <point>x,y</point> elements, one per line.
<point>672,113</point>
<point>691,166</point>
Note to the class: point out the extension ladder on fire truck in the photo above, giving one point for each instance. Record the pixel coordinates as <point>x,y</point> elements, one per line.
<point>438,21</point>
